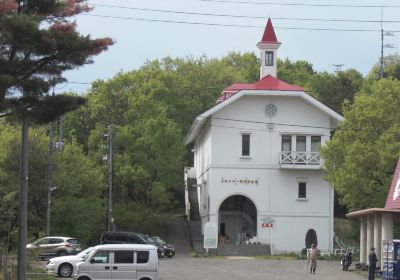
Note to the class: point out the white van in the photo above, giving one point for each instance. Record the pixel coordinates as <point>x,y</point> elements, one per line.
<point>119,261</point>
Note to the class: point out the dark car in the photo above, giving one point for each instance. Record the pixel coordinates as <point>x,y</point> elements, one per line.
<point>169,249</point>
<point>127,237</point>
<point>54,246</point>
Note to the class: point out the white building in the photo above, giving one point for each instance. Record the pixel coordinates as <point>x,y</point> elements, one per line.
<point>257,161</point>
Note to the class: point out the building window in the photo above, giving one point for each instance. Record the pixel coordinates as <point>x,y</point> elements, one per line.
<point>302,190</point>
<point>286,143</point>
<point>315,144</point>
<point>246,145</point>
<point>269,58</point>
<point>301,143</point>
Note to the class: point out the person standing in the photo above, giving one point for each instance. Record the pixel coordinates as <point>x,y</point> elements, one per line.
<point>312,258</point>
<point>372,264</point>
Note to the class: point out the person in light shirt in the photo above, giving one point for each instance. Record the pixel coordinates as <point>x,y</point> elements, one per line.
<point>312,258</point>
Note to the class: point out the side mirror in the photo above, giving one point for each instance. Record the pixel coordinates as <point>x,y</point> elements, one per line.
<point>92,261</point>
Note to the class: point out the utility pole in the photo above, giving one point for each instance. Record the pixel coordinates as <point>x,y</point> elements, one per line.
<point>49,175</point>
<point>381,64</point>
<point>383,34</point>
<point>23,201</point>
<point>23,192</point>
<point>338,67</point>
<point>109,159</point>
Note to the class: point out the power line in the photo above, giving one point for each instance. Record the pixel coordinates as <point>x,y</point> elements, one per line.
<point>303,126</point>
<point>300,4</point>
<point>265,129</point>
<point>235,25</point>
<point>244,16</point>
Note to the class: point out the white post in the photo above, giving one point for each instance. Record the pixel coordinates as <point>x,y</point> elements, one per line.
<point>363,239</point>
<point>370,232</point>
<point>378,235</point>
<point>387,226</point>
<point>387,229</point>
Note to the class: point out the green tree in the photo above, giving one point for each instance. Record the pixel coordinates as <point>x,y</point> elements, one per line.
<point>38,42</point>
<point>391,68</point>
<point>361,157</point>
<point>79,196</point>
<point>297,72</point>
<point>335,89</point>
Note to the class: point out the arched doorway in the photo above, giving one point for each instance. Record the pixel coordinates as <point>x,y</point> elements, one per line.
<point>237,220</point>
<point>311,238</point>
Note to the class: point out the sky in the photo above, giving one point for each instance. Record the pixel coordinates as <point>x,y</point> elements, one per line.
<point>145,30</point>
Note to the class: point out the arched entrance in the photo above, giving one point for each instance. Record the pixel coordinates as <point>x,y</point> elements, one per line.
<point>311,238</point>
<point>237,220</point>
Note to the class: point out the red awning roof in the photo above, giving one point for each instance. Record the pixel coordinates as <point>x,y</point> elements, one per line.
<point>267,83</point>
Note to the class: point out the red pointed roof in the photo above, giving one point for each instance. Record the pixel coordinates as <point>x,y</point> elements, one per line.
<point>393,198</point>
<point>269,36</point>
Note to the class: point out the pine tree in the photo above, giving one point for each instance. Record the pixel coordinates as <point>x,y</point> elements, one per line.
<point>38,42</point>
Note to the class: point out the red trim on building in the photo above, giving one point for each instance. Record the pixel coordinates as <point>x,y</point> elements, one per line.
<point>393,198</point>
<point>267,83</point>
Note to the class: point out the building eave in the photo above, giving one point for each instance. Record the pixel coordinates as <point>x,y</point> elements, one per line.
<point>369,211</point>
<point>201,119</point>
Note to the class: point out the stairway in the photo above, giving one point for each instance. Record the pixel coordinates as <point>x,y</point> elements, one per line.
<point>194,203</point>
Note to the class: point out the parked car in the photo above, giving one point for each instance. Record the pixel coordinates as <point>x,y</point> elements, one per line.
<point>55,246</point>
<point>119,261</point>
<point>169,249</point>
<point>126,237</point>
<point>64,266</point>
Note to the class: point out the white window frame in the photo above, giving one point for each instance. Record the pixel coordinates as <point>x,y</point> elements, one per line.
<point>305,181</point>
<point>242,133</point>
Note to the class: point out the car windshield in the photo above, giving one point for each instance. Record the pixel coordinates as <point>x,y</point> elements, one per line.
<point>73,241</point>
<point>150,240</point>
<point>84,252</point>
<point>159,240</point>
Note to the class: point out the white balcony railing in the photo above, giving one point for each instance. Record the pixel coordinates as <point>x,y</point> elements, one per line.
<point>300,158</point>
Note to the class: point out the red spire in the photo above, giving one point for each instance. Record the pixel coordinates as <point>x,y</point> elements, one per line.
<point>269,34</point>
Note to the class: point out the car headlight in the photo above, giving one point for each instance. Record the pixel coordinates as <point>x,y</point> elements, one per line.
<point>165,247</point>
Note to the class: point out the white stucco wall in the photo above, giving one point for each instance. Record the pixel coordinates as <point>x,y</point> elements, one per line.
<point>272,189</point>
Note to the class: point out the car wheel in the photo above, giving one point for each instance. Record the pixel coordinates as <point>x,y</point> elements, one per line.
<point>61,253</point>
<point>83,278</point>
<point>65,270</point>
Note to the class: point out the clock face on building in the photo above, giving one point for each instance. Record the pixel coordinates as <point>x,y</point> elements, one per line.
<point>270,110</point>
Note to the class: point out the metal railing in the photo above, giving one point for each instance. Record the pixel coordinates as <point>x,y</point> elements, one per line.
<point>300,158</point>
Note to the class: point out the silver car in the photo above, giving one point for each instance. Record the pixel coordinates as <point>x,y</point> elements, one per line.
<point>54,246</point>
<point>65,266</point>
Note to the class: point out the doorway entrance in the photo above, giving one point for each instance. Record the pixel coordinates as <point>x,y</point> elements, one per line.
<point>237,220</point>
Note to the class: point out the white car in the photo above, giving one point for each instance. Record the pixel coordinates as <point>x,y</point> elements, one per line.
<point>64,266</point>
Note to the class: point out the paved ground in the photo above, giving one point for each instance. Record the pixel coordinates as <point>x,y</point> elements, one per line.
<point>242,268</point>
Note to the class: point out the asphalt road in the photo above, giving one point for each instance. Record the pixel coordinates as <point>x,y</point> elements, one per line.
<point>245,268</point>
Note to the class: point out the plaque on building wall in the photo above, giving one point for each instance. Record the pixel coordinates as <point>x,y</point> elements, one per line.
<point>242,181</point>
<point>266,221</point>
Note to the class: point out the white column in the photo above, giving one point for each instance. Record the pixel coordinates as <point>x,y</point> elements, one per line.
<point>370,232</point>
<point>387,229</point>
<point>363,239</point>
<point>387,226</point>
<point>378,235</point>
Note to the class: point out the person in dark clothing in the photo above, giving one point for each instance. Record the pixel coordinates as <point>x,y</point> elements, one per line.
<point>372,264</point>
